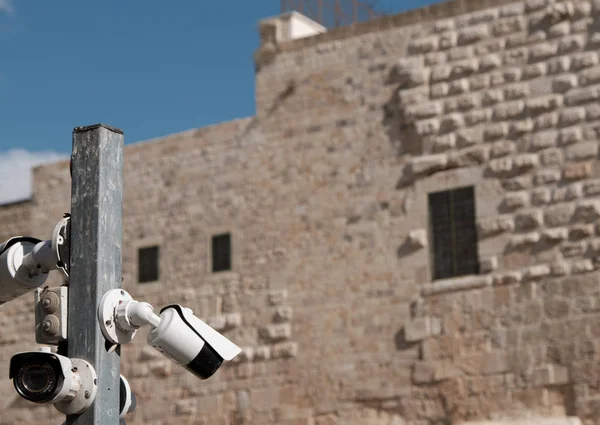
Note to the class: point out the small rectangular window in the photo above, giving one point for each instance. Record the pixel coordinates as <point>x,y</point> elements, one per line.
<point>221,252</point>
<point>453,233</point>
<point>148,264</point>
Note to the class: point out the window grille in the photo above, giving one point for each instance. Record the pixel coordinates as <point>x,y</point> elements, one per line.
<point>453,233</point>
<point>148,264</point>
<point>221,252</point>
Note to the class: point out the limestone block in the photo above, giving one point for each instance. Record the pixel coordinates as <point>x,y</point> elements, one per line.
<point>149,353</point>
<point>186,407</point>
<point>571,135</point>
<point>489,62</point>
<point>550,375</point>
<point>588,209</point>
<point>464,68</point>
<point>233,320</point>
<point>543,140</point>
<point>545,121</point>
<point>556,234</point>
<point>533,5</point>
<point>502,148</point>
<point>572,116</point>
<point>584,60</point>
<point>217,322</point>
<point>411,96</point>
<point>592,111</point>
<point>571,44</point>
<point>580,231</point>
<point>582,151</point>
<point>495,362</point>
<point>501,165</point>
<point>582,95</point>
<point>417,238</point>
<point>551,156</point>
<point>420,328</point>
<point>522,127</point>
<point>589,76</point>
<point>559,64</point>
<point>443,143</point>
<point>277,297</point>
<point>543,50</point>
<point>427,127</point>
<point>540,196</point>
<point>495,131</point>
<point>512,9</point>
<point>560,29</point>
<point>572,249</point>
<point>448,40</point>
<point>246,355</point>
<point>592,187</point>
<point>526,161</point>
<point>534,71</point>
<point>423,45</point>
<point>537,272</point>
<point>474,155</point>
<point>423,372</point>
<point>564,83</point>
<point>458,86</point>
<point>283,314</point>
<point>262,353</point>
<point>477,117</point>
<point>516,91</point>
<point>517,241</point>
<point>422,111</point>
<point>472,34</point>
<point>546,176</point>
<point>285,349</point>
<point>469,136</point>
<point>479,82</point>
<point>277,332</point>
<point>529,220</point>
<point>515,200</point>
<point>508,26</point>
<point>582,266</point>
<point>542,104</point>
<point>443,25</point>
<point>559,215</point>
<point>508,278</point>
<point>429,163</point>
<point>488,265</point>
<point>440,73</point>
<point>491,97</point>
<point>509,110</point>
<point>456,284</point>
<point>439,90</point>
<point>495,225</point>
<point>452,122</point>
<point>577,171</point>
<point>516,56</point>
<point>560,268</point>
<point>434,58</point>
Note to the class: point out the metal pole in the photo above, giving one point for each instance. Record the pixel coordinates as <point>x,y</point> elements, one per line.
<point>96,238</point>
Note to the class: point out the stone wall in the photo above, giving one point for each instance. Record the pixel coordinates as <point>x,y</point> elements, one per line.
<point>325,194</point>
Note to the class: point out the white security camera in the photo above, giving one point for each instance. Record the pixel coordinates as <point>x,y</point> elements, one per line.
<point>177,332</point>
<point>46,377</point>
<point>25,261</point>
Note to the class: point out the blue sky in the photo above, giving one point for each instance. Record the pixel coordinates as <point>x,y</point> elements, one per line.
<point>149,67</point>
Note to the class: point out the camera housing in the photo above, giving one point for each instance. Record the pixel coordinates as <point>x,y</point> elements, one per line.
<point>191,343</point>
<point>177,333</point>
<point>46,377</point>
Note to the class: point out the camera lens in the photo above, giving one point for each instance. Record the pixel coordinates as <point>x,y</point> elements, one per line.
<point>37,378</point>
<point>36,382</point>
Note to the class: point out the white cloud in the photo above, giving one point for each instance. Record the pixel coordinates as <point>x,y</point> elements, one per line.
<point>7,7</point>
<point>15,172</point>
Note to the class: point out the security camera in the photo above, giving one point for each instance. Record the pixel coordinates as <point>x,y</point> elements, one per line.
<point>127,400</point>
<point>177,333</point>
<point>25,261</point>
<point>46,377</point>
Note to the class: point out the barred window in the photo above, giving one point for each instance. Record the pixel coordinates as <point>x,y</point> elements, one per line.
<point>221,252</point>
<point>453,233</point>
<point>148,264</point>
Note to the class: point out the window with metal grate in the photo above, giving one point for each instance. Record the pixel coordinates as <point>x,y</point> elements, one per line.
<point>453,233</point>
<point>221,252</point>
<point>148,264</point>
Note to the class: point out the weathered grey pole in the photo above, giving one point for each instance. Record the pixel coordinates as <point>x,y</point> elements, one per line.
<point>95,265</point>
